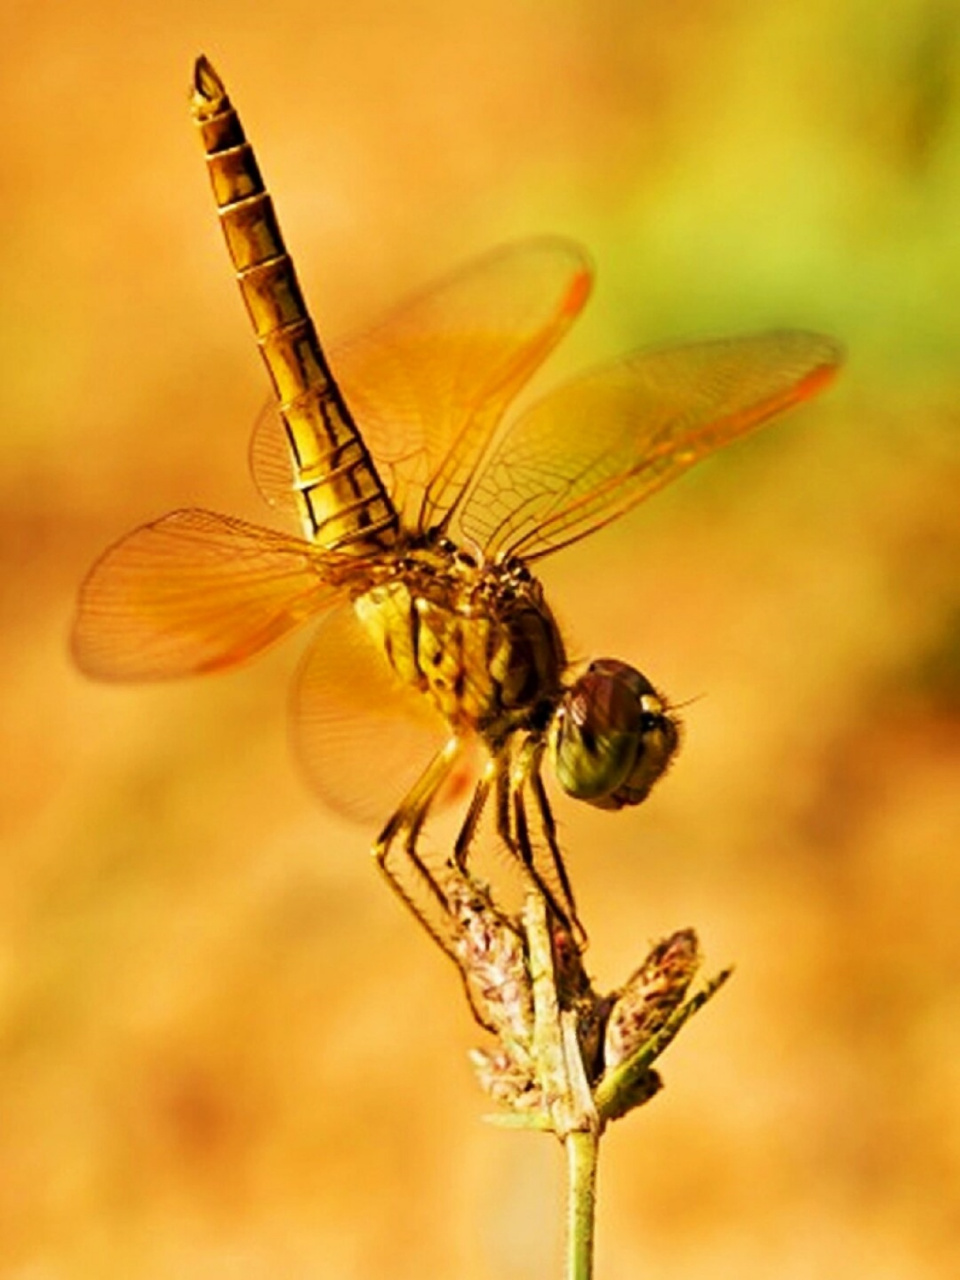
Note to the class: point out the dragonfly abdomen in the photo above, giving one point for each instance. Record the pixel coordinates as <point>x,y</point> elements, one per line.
<point>343,503</point>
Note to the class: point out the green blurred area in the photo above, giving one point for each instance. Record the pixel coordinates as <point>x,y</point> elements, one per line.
<point>223,1050</point>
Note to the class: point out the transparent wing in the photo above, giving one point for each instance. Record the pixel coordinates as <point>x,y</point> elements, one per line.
<point>193,592</point>
<point>363,738</point>
<point>271,461</point>
<point>429,384</point>
<point>593,449</point>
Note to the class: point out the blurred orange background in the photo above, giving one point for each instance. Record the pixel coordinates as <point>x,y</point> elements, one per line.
<point>224,1050</point>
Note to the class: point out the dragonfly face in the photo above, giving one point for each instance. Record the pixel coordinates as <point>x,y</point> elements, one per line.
<point>420,515</point>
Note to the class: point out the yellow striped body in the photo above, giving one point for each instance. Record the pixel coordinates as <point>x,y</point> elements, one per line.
<point>343,503</point>
<point>481,643</point>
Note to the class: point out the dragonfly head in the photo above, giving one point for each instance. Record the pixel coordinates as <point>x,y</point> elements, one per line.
<point>612,736</point>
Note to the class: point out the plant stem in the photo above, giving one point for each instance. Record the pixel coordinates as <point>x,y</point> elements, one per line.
<point>582,1150</point>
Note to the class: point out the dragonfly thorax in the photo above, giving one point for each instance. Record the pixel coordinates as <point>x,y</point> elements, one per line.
<point>478,640</point>
<point>481,643</point>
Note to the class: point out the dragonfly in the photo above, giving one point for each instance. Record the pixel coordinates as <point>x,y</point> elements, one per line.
<point>423,510</point>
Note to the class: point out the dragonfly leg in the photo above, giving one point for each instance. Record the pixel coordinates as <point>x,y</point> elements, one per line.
<point>395,852</point>
<point>462,846</point>
<point>464,841</point>
<point>513,829</point>
<point>456,913</point>
<point>548,825</point>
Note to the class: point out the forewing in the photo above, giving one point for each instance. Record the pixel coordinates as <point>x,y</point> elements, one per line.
<point>363,738</point>
<point>428,385</point>
<point>593,449</point>
<point>193,592</point>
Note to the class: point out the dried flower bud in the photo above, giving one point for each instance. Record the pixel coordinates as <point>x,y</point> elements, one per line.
<point>649,997</point>
<point>503,1081</point>
<point>491,956</point>
<point>636,1094</point>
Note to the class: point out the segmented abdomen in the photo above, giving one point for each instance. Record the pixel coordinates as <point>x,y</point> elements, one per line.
<point>344,505</point>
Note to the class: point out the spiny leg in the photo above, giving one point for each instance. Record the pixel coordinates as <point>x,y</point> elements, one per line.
<point>461,917</point>
<point>513,828</point>
<point>400,836</point>
<point>529,771</point>
<point>504,811</point>
<point>481,923</point>
<point>457,866</point>
<point>528,855</point>
<point>461,848</point>
<point>548,826</point>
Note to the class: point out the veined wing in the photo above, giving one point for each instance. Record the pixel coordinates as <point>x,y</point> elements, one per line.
<point>363,738</point>
<point>429,384</point>
<point>593,449</point>
<point>192,592</point>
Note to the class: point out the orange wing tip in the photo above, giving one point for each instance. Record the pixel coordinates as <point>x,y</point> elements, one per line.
<point>578,293</point>
<point>209,94</point>
<point>822,376</point>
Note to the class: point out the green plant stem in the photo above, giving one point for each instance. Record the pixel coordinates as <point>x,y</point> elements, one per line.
<point>582,1150</point>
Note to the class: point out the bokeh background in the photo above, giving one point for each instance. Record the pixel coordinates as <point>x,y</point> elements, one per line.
<point>224,1050</point>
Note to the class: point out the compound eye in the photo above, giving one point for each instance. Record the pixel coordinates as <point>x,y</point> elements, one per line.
<point>612,736</point>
